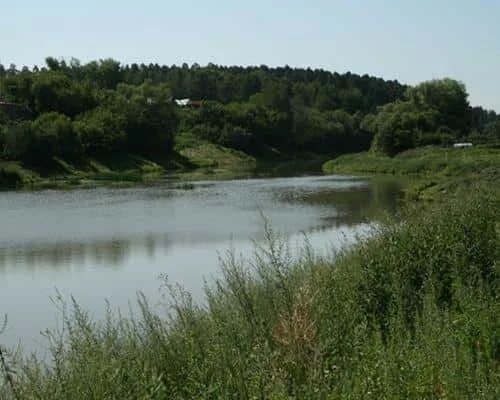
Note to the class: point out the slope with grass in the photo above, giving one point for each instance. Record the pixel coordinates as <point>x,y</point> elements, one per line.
<point>205,158</point>
<point>438,171</point>
<point>191,158</point>
<point>121,170</point>
<point>13,175</point>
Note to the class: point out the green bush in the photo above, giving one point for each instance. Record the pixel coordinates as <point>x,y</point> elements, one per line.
<point>428,255</point>
<point>53,135</point>
<point>36,142</point>
<point>101,131</point>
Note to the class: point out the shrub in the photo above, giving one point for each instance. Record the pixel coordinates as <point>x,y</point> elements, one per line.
<point>52,135</point>
<point>101,131</point>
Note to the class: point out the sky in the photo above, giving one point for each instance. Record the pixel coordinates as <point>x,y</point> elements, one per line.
<point>407,40</point>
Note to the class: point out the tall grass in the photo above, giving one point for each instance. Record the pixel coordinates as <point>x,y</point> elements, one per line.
<point>437,171</point>
<point>411,313</point>
<point>420,161</point>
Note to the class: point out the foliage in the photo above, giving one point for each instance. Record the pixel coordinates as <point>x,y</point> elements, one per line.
<point>37,141</point>
<point>447,96</point>
<point>433,112</point>
<point>243,108</point>
<point>130,109</point>
<point>100,131</point>
<point>53,135</point>
<point>55,92</point>
<point>423,161</point>
<point>150,117</point>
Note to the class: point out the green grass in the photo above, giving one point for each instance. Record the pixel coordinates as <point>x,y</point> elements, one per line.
<point>209,155</point>
<point>119,170</point>
<point>192,158</point>
<point>13,175</point>
<point>411,313</point>
<point>438,171</point>
<point>421,161</point>
<point>199,159</point>
<point>205,155</point>
<point>208,160</point>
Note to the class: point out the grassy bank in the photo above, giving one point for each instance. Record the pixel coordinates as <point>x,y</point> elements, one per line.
<point>13,175</point>
<point>60,173</point>
<point>191,158</point>
<point>197,161</point>
<point>438,171</point>
<point>409,314</point>
<point>199,158</point>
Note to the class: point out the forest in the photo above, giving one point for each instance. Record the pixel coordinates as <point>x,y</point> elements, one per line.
<point>72,110</point>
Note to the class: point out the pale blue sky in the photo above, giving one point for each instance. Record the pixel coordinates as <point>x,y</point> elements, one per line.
<point>408,40</point>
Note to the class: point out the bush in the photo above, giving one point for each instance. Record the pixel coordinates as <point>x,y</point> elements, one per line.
<point>235,137</point>
<point>36,142</point>
<point>101,131</point>
<point>428,255</point>
<point>52,135</point>
<point>55,92</point>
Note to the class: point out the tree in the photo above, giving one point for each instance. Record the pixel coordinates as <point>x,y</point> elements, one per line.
<point>115,107</point>
<point>277,95</point>
<point>434,112</point>
<point>492,131</point>
<point>101,131</point>
<point>150,115</point>
<point>18,88</point>
<point>53,135</point>
<point>448,97</point>
<point>397,126</point>
<point>52,63</point>
<point>56,92</point>
<point>50,135</point>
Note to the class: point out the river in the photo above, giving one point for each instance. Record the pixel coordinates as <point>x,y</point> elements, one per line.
<point>110,243</point>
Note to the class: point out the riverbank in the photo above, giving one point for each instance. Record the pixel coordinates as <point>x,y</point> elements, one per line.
<point>410,313</point>
<point>123,170</point>
<point>86,172</point>
<point>437,172</point>
<point>192,159</point>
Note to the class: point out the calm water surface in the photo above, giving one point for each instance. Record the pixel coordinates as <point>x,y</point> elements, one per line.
<point>108,244</point>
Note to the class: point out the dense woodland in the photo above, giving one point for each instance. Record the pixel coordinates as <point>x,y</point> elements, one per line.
<point>73,110</point>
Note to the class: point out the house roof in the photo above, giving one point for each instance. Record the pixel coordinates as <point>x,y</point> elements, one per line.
<point>182,102</point>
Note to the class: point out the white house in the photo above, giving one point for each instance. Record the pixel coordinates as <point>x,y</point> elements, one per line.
<point>182,102</point>
<point>460,145</point>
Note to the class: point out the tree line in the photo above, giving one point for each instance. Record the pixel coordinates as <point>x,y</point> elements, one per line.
<point>71,110</point>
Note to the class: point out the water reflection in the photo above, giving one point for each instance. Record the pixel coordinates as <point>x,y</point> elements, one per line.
<point>109,243</point>
<point>64,256</point>
<point>354,203</point>
<point>67,256</point>
<point>338,201</point>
